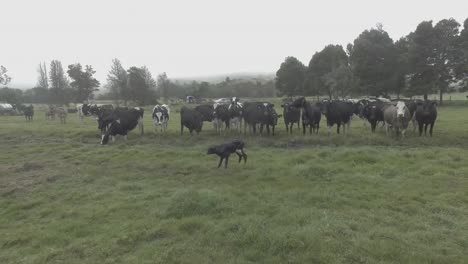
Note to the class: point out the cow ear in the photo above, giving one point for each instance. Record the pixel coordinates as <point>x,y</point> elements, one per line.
<point>282,105</point>
<point>272,105</point>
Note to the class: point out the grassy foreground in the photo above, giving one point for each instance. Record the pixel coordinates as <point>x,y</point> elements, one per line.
<point>359,198</point>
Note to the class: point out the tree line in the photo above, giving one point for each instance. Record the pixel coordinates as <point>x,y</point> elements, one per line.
<point>429,60</point>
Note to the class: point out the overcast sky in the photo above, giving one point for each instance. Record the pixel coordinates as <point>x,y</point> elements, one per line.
<point>195,37</point>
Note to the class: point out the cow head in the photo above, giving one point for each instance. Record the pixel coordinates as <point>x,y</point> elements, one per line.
<point>401,109</point>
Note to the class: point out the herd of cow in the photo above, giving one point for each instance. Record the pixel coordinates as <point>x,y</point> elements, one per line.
<point>233,115</point>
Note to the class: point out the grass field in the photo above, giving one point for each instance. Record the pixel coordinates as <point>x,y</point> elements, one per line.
<point>359,198</point>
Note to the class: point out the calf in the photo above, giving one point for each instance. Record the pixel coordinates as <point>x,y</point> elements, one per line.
<point>291,115</point>
<point>397,118</point>
<point>191,119</point>
<point>161,116</point>
<point>28,112</point>
<point>374,113</point>
<point>225,150</point>
<point>426,115</point>
<point>120,122</point>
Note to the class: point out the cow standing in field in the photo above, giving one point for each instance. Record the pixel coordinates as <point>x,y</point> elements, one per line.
<point>62,114</point>
<point>397,118</point>
<point>291,115</point>
<point>192,119</point>
<point>28,112</point>
<point>269,118</point>
<point>50,113</point>
<point>235,114</point>
<point>161,116</point>
<point>221,117</point>
<point>206,112</point>
<point>311,115</point>
<point>225,150</point>
<point>339,113</point>
<point>120,122</point>
<point>426,115</point>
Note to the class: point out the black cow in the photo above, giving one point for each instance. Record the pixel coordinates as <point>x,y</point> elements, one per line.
<point>28,112</point>
<point>311,115</point>
<point>269,118</point>
<point>192,119</point>
<point>221,116</point>
<point>253,112</point>
<point>374,113</point>
<point>120,122</point>
<point>339,113</point>
<point>225,150</point>
<point>426,115</point>
<point>260,113</point>
<point>206,112</point>
<point>291,115</point>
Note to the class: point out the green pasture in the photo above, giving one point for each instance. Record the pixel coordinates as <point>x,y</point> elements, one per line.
<point>356,198</point>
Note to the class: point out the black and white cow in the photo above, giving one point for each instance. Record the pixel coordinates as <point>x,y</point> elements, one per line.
<point>28,112</point>
<point>235,114</point>
<point>225,150</point>
<point>339,113</point>
<point>191,119</point>
<point>291,115</point>
<point>426,115</point>
<point>120,122</point>
<point>161,116</point>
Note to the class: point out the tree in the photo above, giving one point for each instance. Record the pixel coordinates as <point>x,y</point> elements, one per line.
<point>325,68</point>
<point>434,57</point>
<point>340,82</point>
<point>43,79</point>
<point>11,96</point>
<point>83,84</point>
<point>447,54</point>
<point>141,85</point>
<point>59,85</point>
<point>402,71</point>
<point>373,59</point>
<point>463,45</point>
<point>4,78</point>
<point>290,77</point>
<point>117,82</point>
<point>163,85</point>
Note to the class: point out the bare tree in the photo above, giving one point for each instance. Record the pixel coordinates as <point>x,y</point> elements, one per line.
<point>43,79</point>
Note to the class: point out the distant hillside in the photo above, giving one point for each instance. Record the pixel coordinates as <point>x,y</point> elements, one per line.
<point>221,77</point>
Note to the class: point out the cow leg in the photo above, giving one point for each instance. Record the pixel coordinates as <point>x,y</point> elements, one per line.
<point>338,128</point>
<point>268,129</point>
<point>226,161</point>
<point>240,156</point>
<point>287,127</point>
<point>220,161</point>
<point>303,128</point>
<point>425,129</point>
<point>420,125</point>
<point>386,130</point>
<point>430,129</point>
<point>181,128</point>
<point>349,127</point>
<point>273,130</point>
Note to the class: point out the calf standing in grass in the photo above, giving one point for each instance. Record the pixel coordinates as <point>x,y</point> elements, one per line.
<point>225,150</point>
<point>397,118</point>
